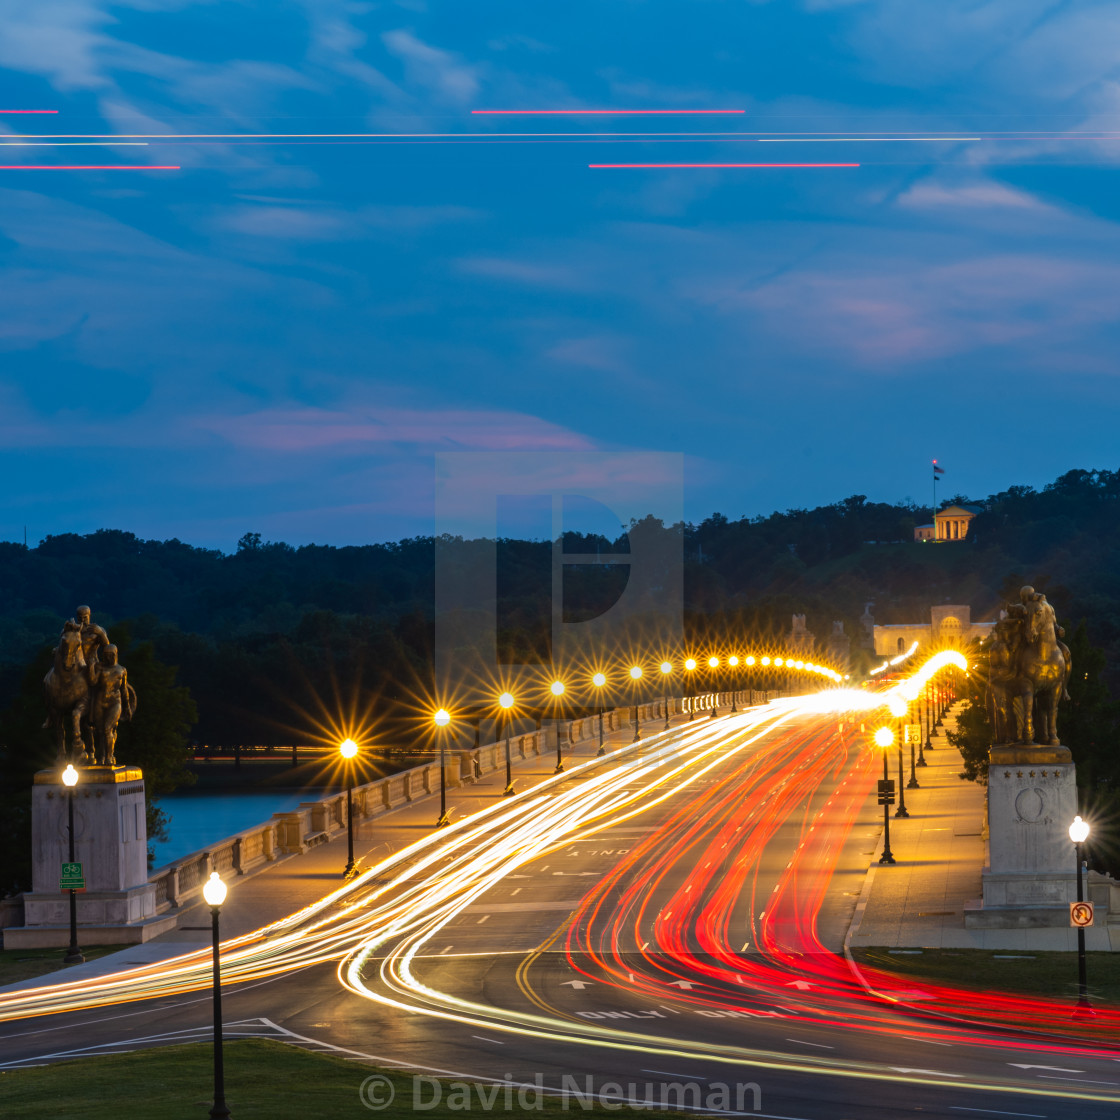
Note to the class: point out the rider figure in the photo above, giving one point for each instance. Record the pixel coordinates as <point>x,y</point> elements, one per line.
<point>94,638</point>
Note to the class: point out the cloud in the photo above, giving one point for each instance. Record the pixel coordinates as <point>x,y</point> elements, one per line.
<point>439,72</point>
<point>521,272</point>
<point>426,429</point>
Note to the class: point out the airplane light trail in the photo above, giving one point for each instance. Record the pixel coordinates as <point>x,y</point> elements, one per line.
<point>680,165</point>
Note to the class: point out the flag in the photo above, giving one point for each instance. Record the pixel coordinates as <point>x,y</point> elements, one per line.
<point>937,471</point>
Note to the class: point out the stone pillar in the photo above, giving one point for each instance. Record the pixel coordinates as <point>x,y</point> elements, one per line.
<point>111,844</point>
<point>1031,875</point>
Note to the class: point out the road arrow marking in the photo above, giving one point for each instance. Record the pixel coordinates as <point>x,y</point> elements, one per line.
<point>930,1072</point>
<point>682,984</point>
<point>800,985</point>
<point>577,984</point>
<point>1052,1069</point>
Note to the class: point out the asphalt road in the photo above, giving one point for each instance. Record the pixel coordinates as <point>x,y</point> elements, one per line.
<point>685,931</point>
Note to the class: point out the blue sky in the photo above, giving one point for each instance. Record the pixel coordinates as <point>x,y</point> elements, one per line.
<point>280,336</point>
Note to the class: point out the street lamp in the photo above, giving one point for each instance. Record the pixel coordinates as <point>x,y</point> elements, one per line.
<point>635,676</point>
<point>349,750</point>
<point>1079,833</point>
<point>666,669</point>
<point>557,690</point>
<point>598,681</point>
<point>70,780</point>
<point>884,737</point>
<point>713,665</point>
<point>441,719</point>
<point>690,665</point>
<point>214,891</point>
<point>733,662</point>
<point>505,701</point>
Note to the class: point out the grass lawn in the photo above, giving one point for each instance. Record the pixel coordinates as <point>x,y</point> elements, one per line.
<point>1024,972</point>
<point>22,964</point>
<point>265,1080</point>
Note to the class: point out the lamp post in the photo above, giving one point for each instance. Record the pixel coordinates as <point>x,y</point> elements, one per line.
<point>733,663</point>
<point>929,715</point>
<point>713,665</point>
<point>349,749</point>
<point>557,690</point>
<point>505,702</point>
<point>749,662</point>
<point>635,676</point>
<point>441,719</point>
<point>70,780</point>
<point>598,681</point>
<point>690,666</point>
<point>884,737</point>
<point>1079,833</point>
<point>214,892</point>
<point>767,677</point>
<point>666,669</point>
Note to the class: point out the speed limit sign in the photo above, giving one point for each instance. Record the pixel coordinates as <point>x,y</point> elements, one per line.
<point>1080,914</point>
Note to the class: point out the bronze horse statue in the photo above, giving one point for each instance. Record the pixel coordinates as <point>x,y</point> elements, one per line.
<point>66,691</point>
<point>1028,668</point>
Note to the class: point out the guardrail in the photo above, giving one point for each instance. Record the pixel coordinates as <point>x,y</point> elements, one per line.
<point>315,822</point>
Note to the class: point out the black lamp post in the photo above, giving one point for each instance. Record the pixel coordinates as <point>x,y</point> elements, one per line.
<point>557,690</point>
<point>666,669</point>
<point>349,749</point>
<point>214,892</point>
<point>598,681</point>
<point>733,664</point>
<point>70,780</point>
<point>883,738</point>
<point>441,719</point>
<point>635,676</point>
<point>913,782</point>
<point>1079,833</point>
<point>690,667</point>
<point>901,811</point>
<point>713,665</point>
<point>505,701</point>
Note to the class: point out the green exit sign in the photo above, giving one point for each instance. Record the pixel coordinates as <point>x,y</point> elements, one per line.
<point>72,878</point>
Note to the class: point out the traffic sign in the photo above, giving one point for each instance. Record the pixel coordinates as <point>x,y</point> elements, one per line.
<point>912,733</point>
<point>886,791</point>
<point>72,878</point>
<point>1080,914</point>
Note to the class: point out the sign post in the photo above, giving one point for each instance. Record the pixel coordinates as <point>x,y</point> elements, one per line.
<point>72,878</point>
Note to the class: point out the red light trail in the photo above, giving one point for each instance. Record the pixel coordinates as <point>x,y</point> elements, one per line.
<point>679,165</point>
<point>87,167</point>
<point>601,112</point>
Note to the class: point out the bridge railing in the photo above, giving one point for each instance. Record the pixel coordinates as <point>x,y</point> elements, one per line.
<point>315,822</point>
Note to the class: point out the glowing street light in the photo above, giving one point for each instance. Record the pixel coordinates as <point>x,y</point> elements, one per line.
<point>884,738</point>
<point>70,780</point>
<point>349,750</point>
<point>441,719</point>
<point>598,681</point>
<point>690,665</point>
<point>214,892</point>
<point>1079,833</point>
<point>506,702</point>
<point>635,676</point>
<point>557,690</point>
<point>666,669</point>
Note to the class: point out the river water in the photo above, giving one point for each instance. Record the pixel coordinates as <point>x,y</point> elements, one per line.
<point>201,819</point>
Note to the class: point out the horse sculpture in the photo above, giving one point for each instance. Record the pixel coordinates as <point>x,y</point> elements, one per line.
<point>1028,667</point>
<point>66,690</point>
<point>1043,669</point>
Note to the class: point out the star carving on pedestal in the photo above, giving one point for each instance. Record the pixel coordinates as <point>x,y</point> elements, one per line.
<point>1032,773</point>
<point>1007,773</point>
<point>1019,774</point>
<point>1044,773</point>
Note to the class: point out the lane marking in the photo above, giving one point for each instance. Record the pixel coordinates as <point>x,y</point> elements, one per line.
<point>997,1112</point>
<point>493,1040</point>
<point>667,1073</point>
<point>802,1042</point>
<point>915,1038</point>
<point>485,917</point>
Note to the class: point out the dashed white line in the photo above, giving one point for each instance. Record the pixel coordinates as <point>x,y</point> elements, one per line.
<point>802,1042</point>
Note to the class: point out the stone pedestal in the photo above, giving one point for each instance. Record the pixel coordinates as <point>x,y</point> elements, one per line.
<point>111,844</point>
<point>1032,873</point>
